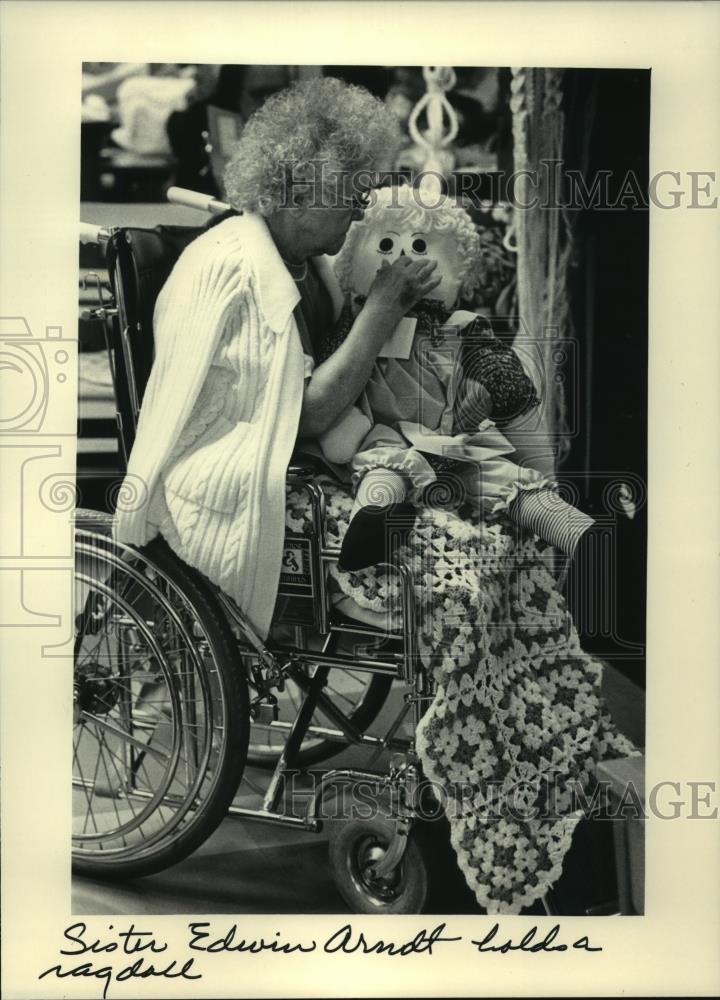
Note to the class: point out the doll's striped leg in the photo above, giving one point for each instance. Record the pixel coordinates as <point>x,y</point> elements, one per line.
<point>571,531</point>
<point>549,517</point>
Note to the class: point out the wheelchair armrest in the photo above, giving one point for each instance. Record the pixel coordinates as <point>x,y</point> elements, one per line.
<point>305,471</point>
<point>305,465</point>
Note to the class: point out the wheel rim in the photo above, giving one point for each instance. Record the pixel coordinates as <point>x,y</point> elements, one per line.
<point>150,714</point>
<point>366,853</point>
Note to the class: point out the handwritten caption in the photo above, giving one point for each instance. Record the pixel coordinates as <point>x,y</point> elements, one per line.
<point>139,954</point>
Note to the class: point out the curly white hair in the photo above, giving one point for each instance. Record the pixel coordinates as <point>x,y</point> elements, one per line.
<point>312,125</point>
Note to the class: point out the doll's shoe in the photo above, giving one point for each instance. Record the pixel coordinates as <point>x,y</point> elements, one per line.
<point>374,534</point>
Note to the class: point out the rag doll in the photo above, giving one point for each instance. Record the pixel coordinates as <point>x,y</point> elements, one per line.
<point>439,394</point>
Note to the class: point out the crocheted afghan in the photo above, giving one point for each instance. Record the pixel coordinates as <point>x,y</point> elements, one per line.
<point>517,723</point>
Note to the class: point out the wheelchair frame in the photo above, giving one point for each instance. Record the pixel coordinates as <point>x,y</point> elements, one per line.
<point>269,664</point>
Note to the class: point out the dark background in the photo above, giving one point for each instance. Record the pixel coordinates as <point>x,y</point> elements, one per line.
<point>608,128</point>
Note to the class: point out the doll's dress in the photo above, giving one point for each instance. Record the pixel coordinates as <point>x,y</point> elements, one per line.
<point>411,405</point>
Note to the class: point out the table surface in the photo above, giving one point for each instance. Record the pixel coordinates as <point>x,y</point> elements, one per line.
<point>106,213</point>
<point>622,772</point>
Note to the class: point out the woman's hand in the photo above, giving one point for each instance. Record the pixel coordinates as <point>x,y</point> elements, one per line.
<point>338,381</point>
<point>399,286</point>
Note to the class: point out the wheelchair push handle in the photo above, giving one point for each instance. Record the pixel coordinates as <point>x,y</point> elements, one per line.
<point>193,199</point>
<point>93,234</point>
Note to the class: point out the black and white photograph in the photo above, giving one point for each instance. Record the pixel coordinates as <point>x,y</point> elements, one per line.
<point>374,296</point>
<point>360,508</point>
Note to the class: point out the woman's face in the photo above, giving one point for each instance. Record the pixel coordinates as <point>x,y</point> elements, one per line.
<point>324,229</point>
<point>325,222</point>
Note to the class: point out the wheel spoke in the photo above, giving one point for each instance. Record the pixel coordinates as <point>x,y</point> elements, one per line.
<point>154,763</point>
<point>133,741</point>
<point>87,789</point>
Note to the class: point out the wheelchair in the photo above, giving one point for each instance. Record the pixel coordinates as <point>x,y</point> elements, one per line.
<point>179,705</point>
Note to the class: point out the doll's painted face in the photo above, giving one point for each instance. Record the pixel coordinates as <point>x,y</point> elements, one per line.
<point>386,238</point>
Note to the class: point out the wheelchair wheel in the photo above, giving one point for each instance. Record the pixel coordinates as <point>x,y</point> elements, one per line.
<point>161,710</point>
<point>427,880</point>
<point>359,695</point>
<point>355,849</point>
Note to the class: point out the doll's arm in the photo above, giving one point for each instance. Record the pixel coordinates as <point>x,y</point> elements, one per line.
<point>497,383</point>
<point>473,404</point>
<point>341,441</point>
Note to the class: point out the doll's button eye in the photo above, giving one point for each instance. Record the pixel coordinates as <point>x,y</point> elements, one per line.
<point>419,246</point>
<point>385,245</point>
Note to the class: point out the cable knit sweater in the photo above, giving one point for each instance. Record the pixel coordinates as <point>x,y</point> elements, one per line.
<point>220,414</point>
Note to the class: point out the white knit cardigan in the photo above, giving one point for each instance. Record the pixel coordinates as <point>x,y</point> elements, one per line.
<point>229,281</point>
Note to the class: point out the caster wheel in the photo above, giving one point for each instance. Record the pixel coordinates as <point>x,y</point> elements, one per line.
<point>355,850</point>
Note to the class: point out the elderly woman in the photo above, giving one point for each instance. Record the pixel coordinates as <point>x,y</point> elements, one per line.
<point>234,381</point>
<point>517,719</point>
